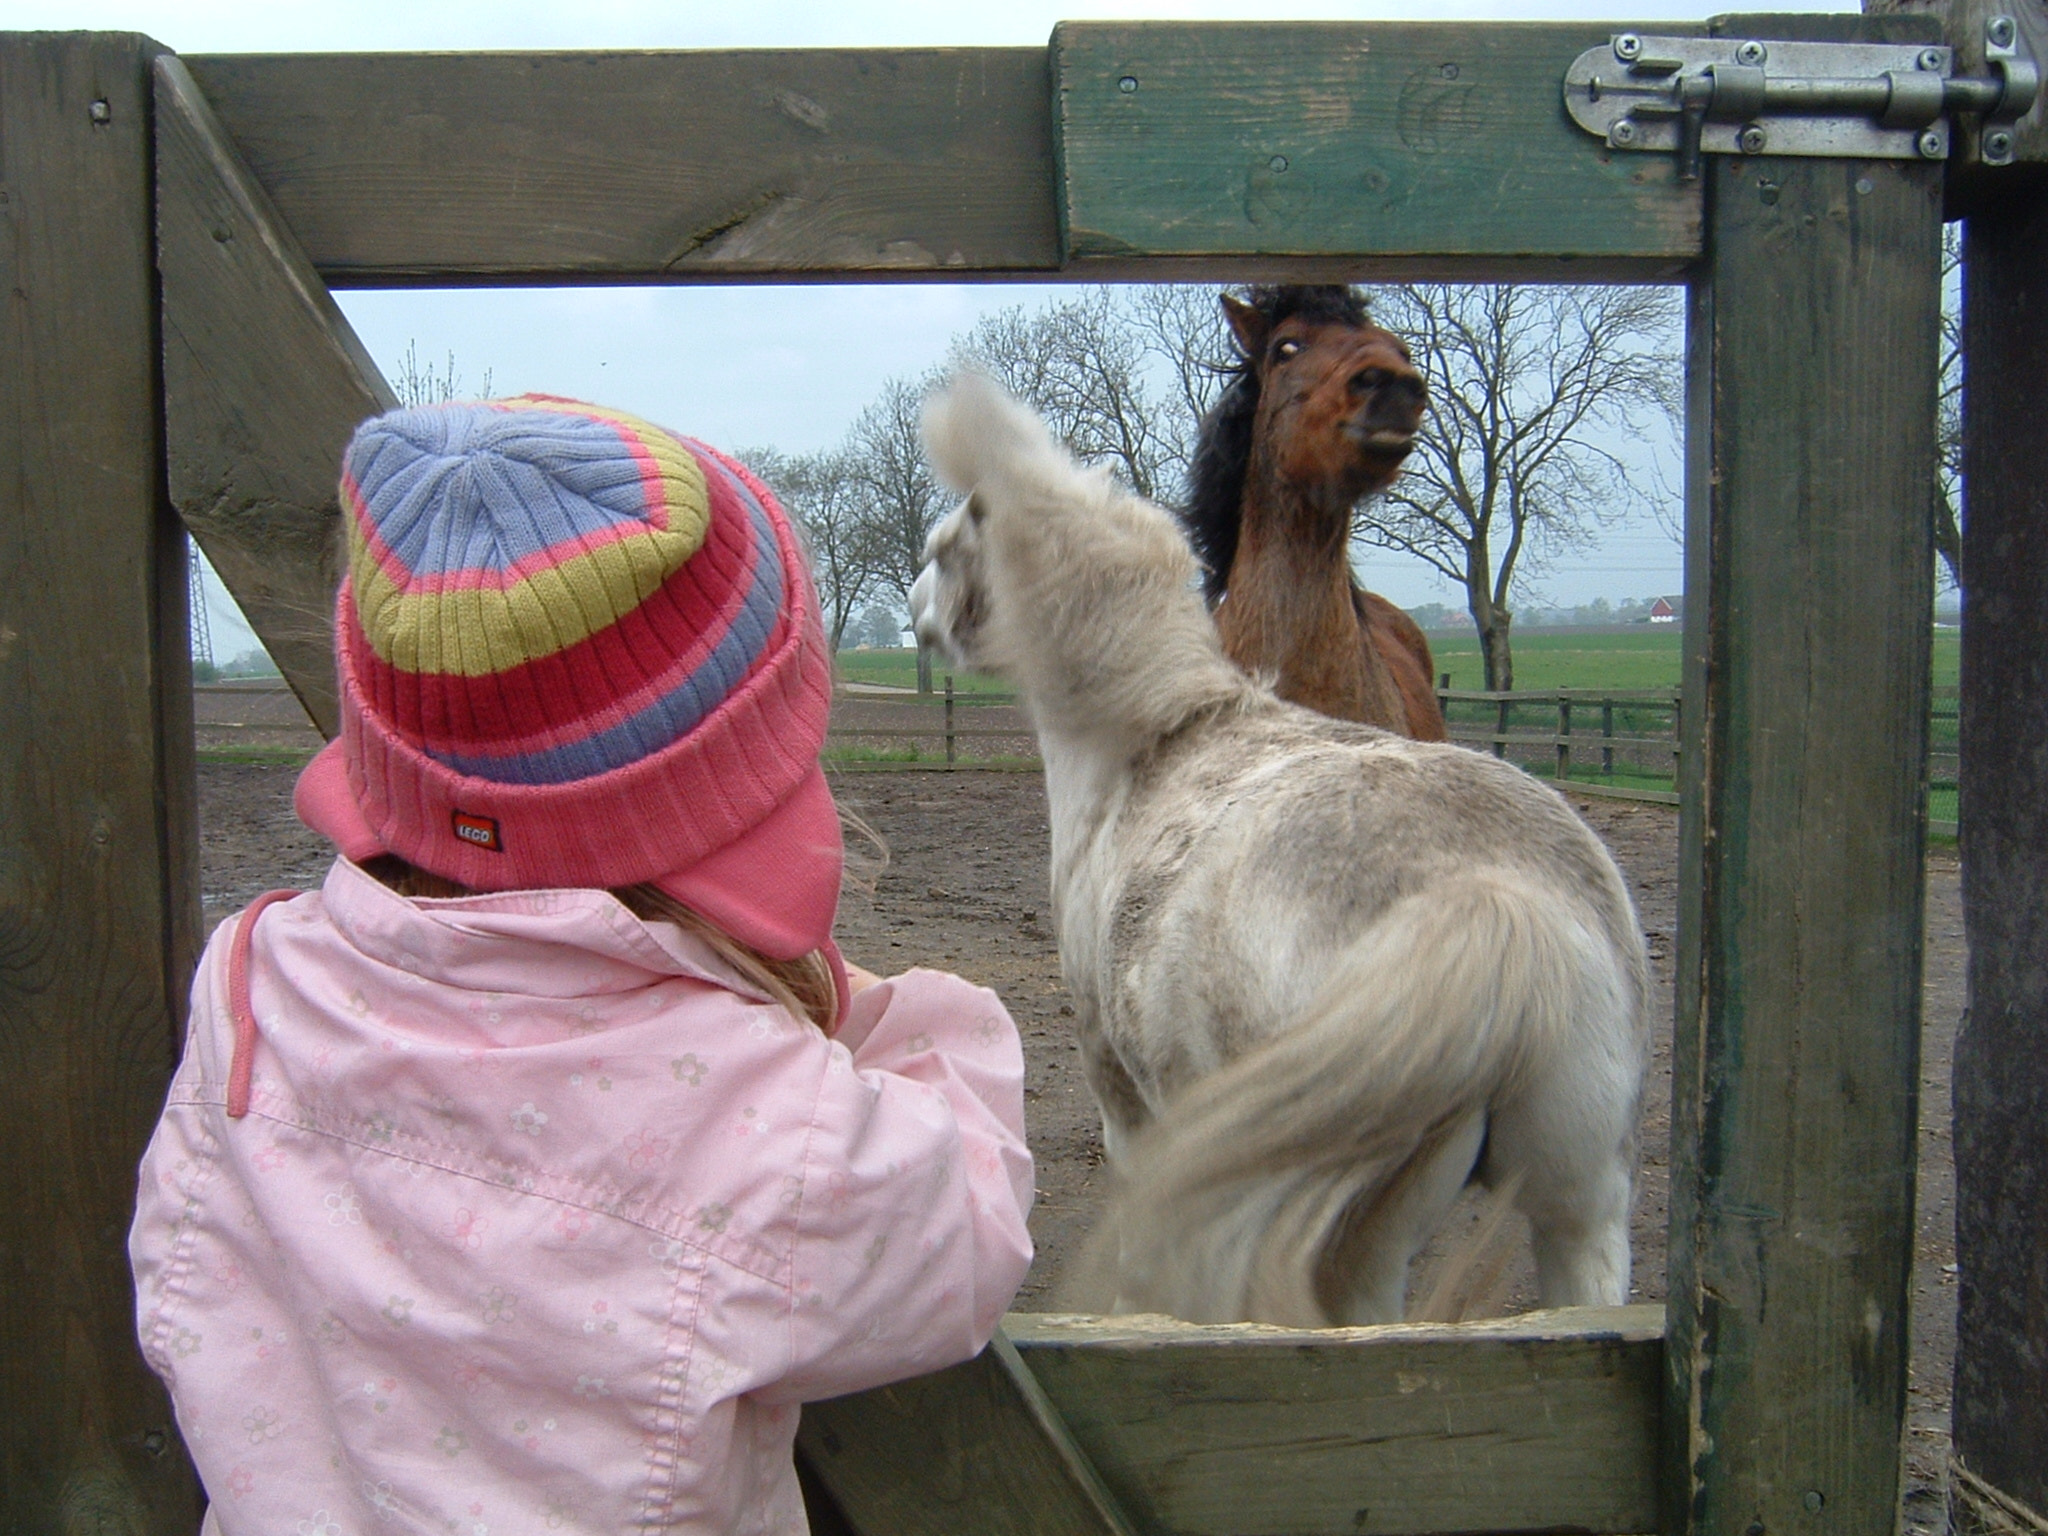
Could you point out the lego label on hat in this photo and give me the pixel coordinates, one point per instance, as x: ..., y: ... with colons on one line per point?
x: 481, y: 830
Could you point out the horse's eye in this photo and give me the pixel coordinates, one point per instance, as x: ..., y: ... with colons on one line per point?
x: 1285, y: 350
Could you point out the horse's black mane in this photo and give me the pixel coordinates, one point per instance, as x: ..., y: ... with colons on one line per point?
x: 1222, y: 449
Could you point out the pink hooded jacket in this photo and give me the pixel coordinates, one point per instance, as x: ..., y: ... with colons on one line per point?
x: 539, y: 1221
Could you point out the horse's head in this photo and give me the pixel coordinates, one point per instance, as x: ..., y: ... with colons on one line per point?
x: 1339, y: 399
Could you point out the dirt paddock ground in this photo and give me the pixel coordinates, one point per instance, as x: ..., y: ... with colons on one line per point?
x: 965, y: 889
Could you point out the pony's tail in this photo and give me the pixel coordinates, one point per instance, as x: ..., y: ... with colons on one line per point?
x: 1234, y: 1205
x: 975, y: 431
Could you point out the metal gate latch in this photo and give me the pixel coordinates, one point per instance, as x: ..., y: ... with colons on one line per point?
x: 1690, y: 96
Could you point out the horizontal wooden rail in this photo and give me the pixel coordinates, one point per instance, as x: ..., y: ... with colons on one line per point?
x: 934, y: 733
x: 1634, y: 697
x: 1603, y: 791
x: 1548, y: 1421
x: 1221, y: 158
x: 268, y: 689
x: 1391, y: 148
x: 922, y: 765
x: 649, y: 167
x: 1535, y: 737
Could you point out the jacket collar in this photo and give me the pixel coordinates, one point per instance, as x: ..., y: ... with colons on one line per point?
x: 544, y: 943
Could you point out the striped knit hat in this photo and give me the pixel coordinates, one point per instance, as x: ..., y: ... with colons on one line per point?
x: 577, y: 649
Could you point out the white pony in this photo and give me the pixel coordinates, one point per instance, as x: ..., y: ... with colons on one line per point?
x: 1323, y: 976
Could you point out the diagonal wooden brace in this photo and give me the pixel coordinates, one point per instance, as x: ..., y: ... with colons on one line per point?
x: 263, y: 383
x: 990, y: 1452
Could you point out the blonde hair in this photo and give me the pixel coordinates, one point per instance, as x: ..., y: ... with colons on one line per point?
x: 804, y: 986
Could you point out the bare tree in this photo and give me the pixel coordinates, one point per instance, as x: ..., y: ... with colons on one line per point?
x: 1122, y: 376
x: 1082, y: 367
x: 901, y: 499
x: 423, y: 384
x: 1948, y: 473
x: 1535, y: 395
x: 1182, y: 326
x: 827, y: 501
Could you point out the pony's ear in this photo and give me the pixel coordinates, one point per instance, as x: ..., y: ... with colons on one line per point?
x: 1247, y: 323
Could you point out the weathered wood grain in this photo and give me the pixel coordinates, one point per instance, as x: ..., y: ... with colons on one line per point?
x: 1541, y: 1422
x: 2001, y: 1060
x: 580, y: 167
x: 98, y: 883
x: 978, y: 1447
x: 264, y: 381
x: 1382, y: 147
x: 1814, y: 327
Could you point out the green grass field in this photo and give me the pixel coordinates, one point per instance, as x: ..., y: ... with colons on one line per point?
x: 1641, y: 656
x: 898, y: 669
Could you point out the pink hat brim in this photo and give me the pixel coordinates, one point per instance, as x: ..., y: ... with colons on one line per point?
x: 775, y: 887
x: 323, y: 800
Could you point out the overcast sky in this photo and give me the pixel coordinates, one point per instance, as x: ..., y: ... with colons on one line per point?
x: 745, y: 366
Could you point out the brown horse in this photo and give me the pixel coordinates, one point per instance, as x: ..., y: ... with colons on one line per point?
x: 1321, y: 409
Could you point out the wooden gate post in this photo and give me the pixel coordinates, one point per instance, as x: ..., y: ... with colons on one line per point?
x: 99, y: 888
x: 2001, y: 1064
x: 1810, y: 443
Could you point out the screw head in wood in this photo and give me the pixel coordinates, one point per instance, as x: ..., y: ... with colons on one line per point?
x: 1628, y: 47
x: 1932, y: 145
x: 1751, y: 53
x: 1812, y: 1501
x: 1932, y: 58
x: 2000, y: 30
x: 1752, y: 140
x: 100, y: 112
x: 1623, y: 132
x: 1127, y: 84
x: 1997, y: 147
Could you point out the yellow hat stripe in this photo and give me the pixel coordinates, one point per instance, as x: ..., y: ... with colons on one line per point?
x: 473, y: 631
x: 480, y: 623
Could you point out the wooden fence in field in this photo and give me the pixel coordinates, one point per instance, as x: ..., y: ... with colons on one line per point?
x: 1616, y: 742
x: 1621, y: 743
x: 1634, y: 733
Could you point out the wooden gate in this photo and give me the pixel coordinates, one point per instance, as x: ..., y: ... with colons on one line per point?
x: 169, y: 229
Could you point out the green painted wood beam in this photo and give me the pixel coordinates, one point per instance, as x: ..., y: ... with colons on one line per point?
x: 1367, y: 148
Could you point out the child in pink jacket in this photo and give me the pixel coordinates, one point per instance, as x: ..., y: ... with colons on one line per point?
x: 527, y: 1175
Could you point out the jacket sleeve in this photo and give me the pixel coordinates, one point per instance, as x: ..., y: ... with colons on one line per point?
x: 911, y: 1236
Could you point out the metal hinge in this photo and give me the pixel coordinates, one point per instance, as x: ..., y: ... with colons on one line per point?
x: 1690, y: 96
